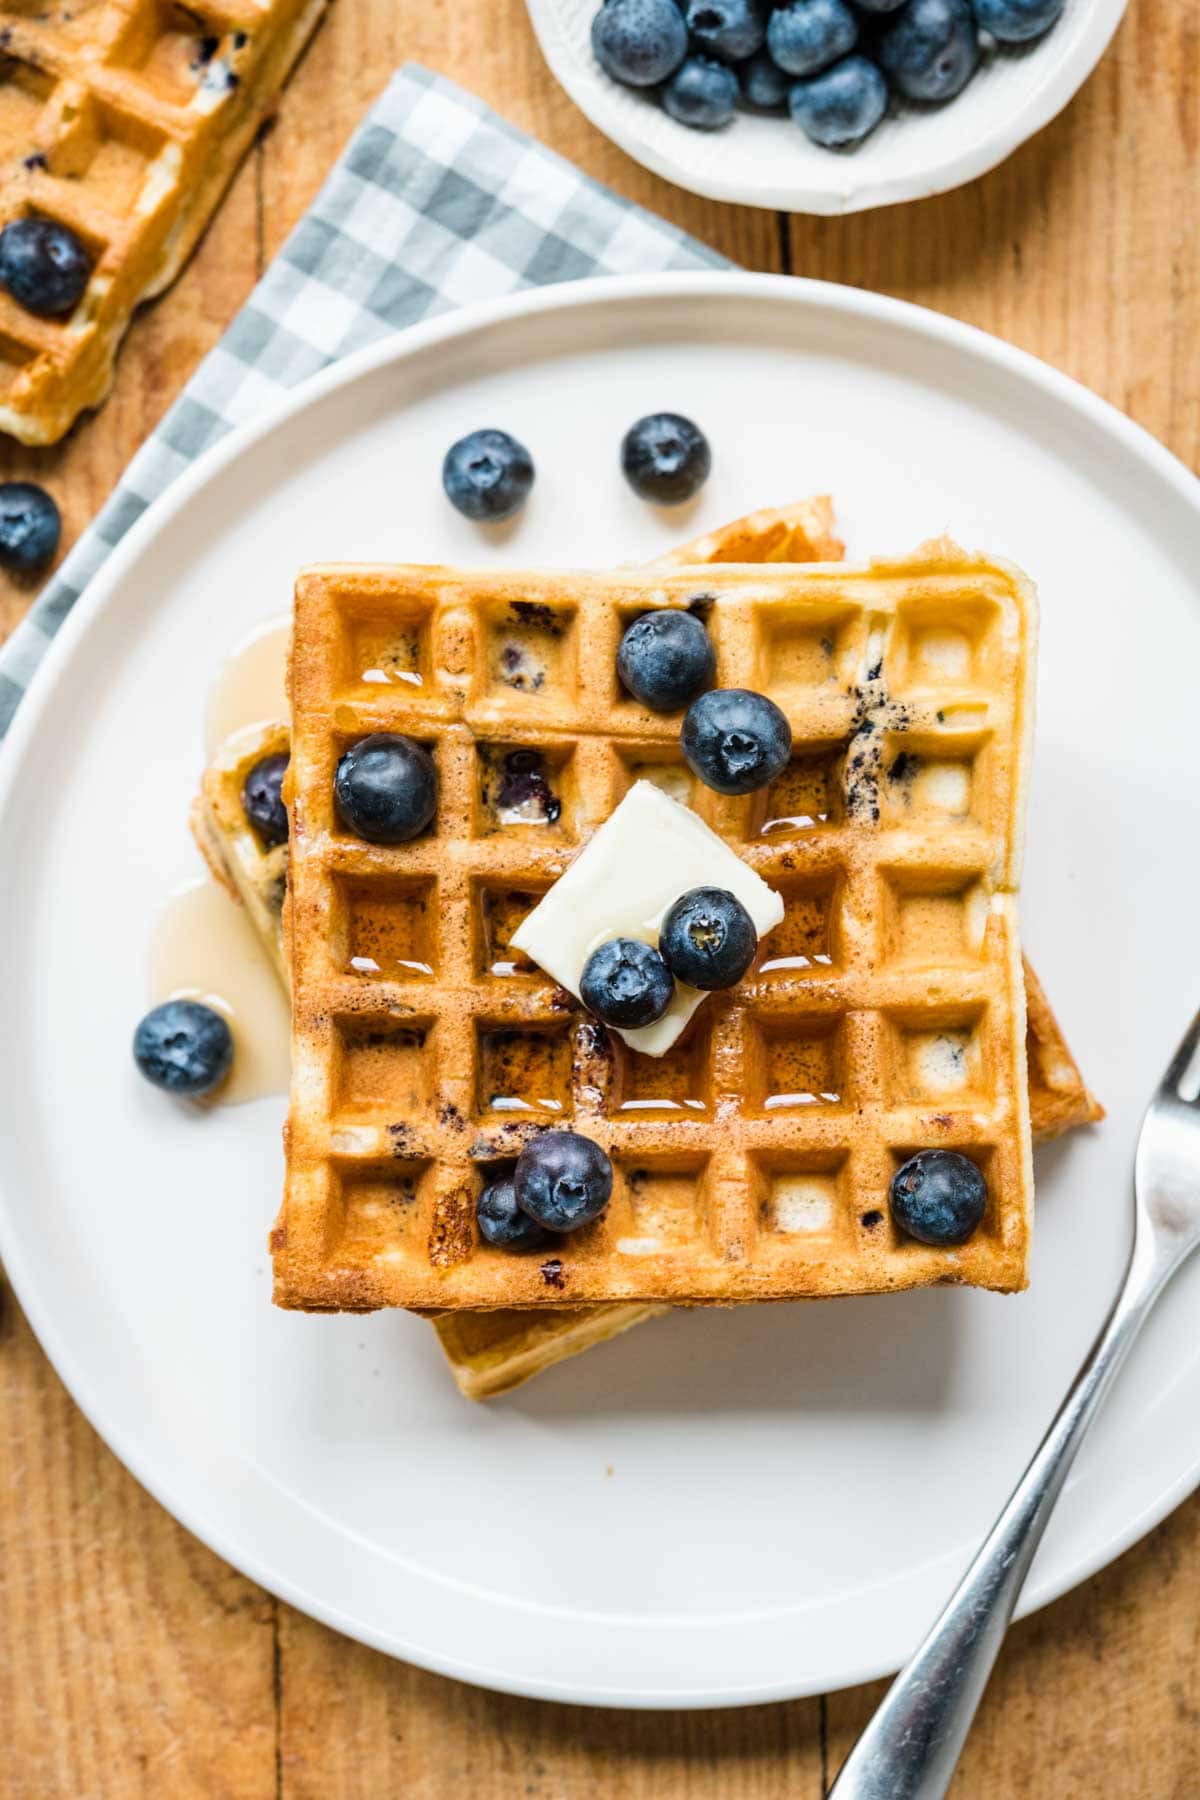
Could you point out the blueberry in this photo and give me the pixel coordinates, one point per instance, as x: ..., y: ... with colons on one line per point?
x: 938, y: 1197
x: 487, y: 475
x: 1016, y: 21
x: 501, y: 1221
x: 183, y: 1047
x: 563, y: 1180
x: 43, y: 265
x: 639, y: 42
x: 262, y: 799
x: 30, y: 526
x: 386, y: 788
x: 729, y: 29
x: 879, y: 6
x: 735, y: 740
x: 840, y: 106
x: 708, y: 939
x: 763, y: 82
x: 702, y: 94
x: 810, y: 34
x: 626, y: 983
x: 665, y: 659
x: 931, y: 51
x: 665, y: 458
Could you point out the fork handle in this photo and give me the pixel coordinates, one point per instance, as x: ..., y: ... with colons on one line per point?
x: 911, y: 1747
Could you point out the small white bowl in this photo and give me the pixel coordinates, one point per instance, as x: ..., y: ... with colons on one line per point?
x: 767, y: 161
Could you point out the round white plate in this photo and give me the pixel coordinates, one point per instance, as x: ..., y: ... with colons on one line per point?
x: 767, y: 161
x: 726, y: 1507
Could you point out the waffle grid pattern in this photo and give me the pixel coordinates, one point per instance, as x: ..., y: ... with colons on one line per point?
x: 753, y: 1161
x: 122, y: 119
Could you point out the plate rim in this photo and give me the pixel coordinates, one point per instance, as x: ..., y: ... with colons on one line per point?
x: 398, y: 347
x: 953, y: 169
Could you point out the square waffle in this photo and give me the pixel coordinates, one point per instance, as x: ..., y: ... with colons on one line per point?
x: 886, y: 1013
x: 123, y: 119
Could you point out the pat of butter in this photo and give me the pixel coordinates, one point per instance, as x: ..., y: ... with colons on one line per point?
x: 644, y: 856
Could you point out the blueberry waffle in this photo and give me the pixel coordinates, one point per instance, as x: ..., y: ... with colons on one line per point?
x: 885, y: 1015
x: 493, y: 1352
x: 122, y: 121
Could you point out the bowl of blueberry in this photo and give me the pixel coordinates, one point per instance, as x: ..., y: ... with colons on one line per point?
x: 822, y: 106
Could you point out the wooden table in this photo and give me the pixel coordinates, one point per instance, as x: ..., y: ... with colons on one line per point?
x: 134, y: 1662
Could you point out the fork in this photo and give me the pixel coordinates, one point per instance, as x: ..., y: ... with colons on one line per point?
x: 911, y: 1747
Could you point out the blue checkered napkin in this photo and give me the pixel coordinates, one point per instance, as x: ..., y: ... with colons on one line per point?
x: 435, y: 202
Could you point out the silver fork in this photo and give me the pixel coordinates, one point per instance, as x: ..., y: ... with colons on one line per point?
x: 911, y: 1747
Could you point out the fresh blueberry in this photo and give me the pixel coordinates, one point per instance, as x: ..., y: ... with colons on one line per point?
x: 43, y: 265
x: 810, y: 34
x: 879, y: 6
x: 938, y: 1197
x: 729, y: 29
x: 931, y: 51
x: 840, y: 106
x: 764, y: 84
x: 702, y: 94
x: 626, y: 983
x: 183, y: 1047
x: 30, y: 526
x: 665, y: 659
x: 1016, y: 21
x: 386, y: 788
x: 262, y: 799
x: 665, y: 458
x: 735, y: 740
x: 487, y: 475
x: 501, y: 1221
x: 639, y: 42
x: 563, y: 1180
x: 708, y: 939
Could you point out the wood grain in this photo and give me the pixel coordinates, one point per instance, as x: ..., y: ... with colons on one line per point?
x: 132, y: 1661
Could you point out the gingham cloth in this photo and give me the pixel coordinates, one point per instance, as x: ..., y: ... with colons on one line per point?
x: 435, y: 202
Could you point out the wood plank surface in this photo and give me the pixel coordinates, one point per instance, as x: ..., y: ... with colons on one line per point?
x: 133, y: 1662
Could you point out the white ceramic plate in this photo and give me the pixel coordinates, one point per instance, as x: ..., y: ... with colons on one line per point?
x: 767, y: 161
x: 730, y: 1507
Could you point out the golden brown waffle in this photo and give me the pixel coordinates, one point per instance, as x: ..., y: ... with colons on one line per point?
x: 123, y: 119
x: 887, y: 1011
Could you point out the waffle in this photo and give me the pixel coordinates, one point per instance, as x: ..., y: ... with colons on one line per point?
x: 887, y: 1012
x: 123, y: 119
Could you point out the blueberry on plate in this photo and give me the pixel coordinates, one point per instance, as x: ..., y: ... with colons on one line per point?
x: 184, y: 1047
x: 626, y: 983
x: 810, y: 34
x: 665, y: 659
x: 386, y: 788
x: 262, y: 799
x: 763, y: 83
x: 665, y: 458
x: 43, y: 265
x: 501, y: 1221
x: 938, y: 1197
x: 840, y: 106
x: 931, y: 50
x: 487, y: 475
x: 701, y: 94
x: 30, y: 526
x: 1016, y: 21
x: 729, y: 29
x: 708, y: 939
x: 563, y: 1180
x: 639, y: 42
x: 735, y: 740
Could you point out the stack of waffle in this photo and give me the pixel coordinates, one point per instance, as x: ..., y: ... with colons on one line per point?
x: 886, y: 1013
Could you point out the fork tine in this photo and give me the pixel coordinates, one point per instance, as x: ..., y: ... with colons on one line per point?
x: 1182, y: 1077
